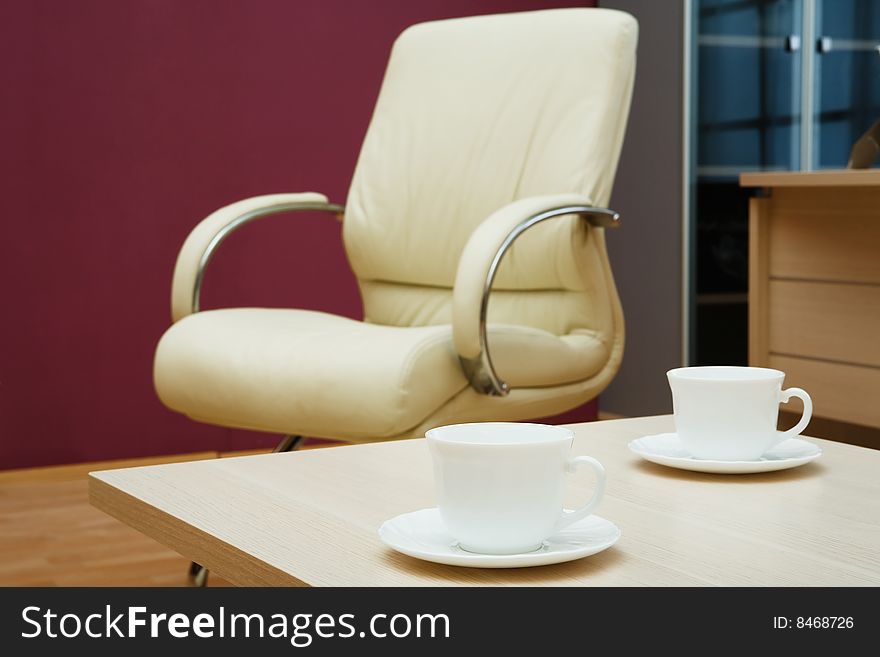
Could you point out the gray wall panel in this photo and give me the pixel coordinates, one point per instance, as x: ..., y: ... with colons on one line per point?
x: 646, y: 252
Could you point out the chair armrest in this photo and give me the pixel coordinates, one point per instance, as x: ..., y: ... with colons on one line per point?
x: 477, y: 268
x: 199, y: 247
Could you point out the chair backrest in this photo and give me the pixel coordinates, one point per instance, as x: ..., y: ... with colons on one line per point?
x: 475, y: 113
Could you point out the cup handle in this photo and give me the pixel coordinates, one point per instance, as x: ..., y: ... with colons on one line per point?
x: 785, y: 395
x: 571, y: 466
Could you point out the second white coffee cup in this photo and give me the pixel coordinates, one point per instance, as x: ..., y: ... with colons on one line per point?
x: 730, y: 413
x: 500, y: 485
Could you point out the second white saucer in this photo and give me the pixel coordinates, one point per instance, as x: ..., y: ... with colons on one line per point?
x: 666, y: 449
x: 421, y: 534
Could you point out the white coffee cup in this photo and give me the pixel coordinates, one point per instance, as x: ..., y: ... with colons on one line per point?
x: 500, y: 485
x: 730, y: 413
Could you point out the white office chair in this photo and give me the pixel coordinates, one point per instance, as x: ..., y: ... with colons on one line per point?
x: 486, y: 166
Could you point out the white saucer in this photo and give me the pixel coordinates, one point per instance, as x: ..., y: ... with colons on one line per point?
x: 666, y: 449
x: 421, y: 534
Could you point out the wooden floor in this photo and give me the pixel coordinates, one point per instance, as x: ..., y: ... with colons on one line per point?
x: 51, y: 536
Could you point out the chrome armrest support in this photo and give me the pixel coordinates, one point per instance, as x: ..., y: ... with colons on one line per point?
x: 479, y: 370
x: 241, y: 220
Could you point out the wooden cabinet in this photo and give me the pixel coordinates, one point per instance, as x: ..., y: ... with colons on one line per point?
x: 814, y: 286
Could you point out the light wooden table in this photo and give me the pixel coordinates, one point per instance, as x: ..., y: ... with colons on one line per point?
x: 311, y: 517
x: 814, y: 286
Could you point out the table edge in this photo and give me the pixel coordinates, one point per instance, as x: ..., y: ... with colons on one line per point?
x: 229, y: 562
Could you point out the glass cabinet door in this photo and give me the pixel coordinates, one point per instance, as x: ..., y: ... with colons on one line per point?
x: 749, y: 73
x: 847, y: 80
x: 748, y: 118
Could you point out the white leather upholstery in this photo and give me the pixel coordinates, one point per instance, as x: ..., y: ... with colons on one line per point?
x: 480, y: 123
x: 476, y: 113
x: 273, y: 369
x: 479, y: 251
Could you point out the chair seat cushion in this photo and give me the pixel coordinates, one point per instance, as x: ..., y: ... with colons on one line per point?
x: 311, y: 373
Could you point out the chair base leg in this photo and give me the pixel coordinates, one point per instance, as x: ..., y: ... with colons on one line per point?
x: 198, y: 574
x: 288, y: 444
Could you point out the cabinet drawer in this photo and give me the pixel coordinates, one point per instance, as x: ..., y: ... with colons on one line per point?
x: 846, y: 393
x: 830, y: 321
x: 825, y: 234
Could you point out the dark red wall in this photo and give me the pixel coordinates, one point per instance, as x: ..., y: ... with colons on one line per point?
x: 125, y: 122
